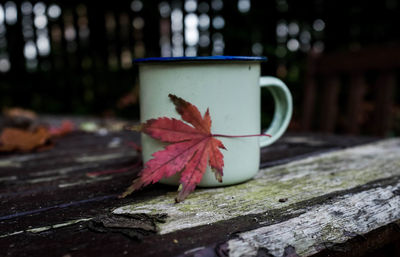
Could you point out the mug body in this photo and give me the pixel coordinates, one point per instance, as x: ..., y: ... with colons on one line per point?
x: 229, y: 88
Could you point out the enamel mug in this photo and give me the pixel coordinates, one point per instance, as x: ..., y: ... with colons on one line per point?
x: 230, y: 87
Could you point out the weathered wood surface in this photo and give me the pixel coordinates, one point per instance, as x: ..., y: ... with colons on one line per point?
x: 52, y: 205
x: 295, y: 182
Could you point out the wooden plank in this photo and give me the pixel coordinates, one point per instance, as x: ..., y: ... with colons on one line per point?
x: 309, y: 92
x: 43, y: 213
x: 380, y: 57
x: 355, y: 100
x: 39, y: 193
x: 297, y: 182
x: 329, y: 104
x: 327, y: 224
x: 384, y: 102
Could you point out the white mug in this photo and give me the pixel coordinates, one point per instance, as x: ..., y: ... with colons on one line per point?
x: 230, y: 87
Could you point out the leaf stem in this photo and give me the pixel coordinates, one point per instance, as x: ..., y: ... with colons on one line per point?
x: 235, y: 136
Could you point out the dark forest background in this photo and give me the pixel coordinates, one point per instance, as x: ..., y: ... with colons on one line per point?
x: 75, y: 57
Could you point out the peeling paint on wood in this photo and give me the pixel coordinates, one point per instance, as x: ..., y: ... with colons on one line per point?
x: 105, y: 157
x: 298, y: 181
x: 63, y: 171
x: 324, y: 224
x: 68, y: 223
x: 19, y: 159
x: 45, y: 228
x: 46, y: 179
x: 304, y: 140
x: 8, y: 178
x: 83, y: 182
x: 9, y: 164
x: 12, y: 234
x: 133, y: 226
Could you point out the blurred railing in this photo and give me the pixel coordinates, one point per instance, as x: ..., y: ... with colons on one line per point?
x: 353, y: 92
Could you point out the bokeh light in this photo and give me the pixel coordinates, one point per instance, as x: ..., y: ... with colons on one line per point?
x: 30, y: 51
x: 11, y: 14
x: 54, y: 11
x: 319, y: 25
x: 244, y: 6
x: 293, y: 45
x: 136, y: 5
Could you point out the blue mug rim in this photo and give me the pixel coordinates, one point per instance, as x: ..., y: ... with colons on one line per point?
x: 201, y: 59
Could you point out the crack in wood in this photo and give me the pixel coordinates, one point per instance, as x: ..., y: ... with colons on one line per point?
x: 64, y: 205
x: 133, y: 226
x: 46, y: 228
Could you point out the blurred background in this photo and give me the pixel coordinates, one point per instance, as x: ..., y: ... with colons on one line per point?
x: 339, y: 58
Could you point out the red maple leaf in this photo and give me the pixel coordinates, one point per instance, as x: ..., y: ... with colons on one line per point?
x: 189, y: 151
x: 191, y: 148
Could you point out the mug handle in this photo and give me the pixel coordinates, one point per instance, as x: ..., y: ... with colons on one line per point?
x: 283, y: 109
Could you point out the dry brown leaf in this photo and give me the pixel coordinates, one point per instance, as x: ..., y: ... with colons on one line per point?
x: 13, y: 139
x: 18, y: 117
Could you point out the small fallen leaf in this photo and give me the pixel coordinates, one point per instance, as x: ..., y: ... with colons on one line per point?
x: 66, y: 127
x: 26, y: 140
x: 19, y: 113
x: 13, y: 139
x: 19, y: 118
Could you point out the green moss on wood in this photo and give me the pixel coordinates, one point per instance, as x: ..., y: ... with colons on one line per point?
x: 298, y: 181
